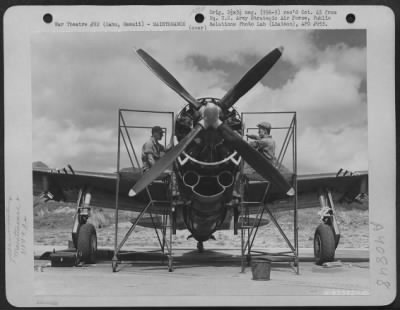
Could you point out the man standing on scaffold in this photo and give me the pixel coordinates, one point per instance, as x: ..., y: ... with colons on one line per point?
x: 264, y: 142
x: 152, y: 150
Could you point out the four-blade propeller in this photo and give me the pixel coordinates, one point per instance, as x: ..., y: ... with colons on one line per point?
x: 210, y: 117
x: 250, y: 79
x: 167, y: 78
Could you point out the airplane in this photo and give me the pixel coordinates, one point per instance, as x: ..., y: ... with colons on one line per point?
x: 210, y: 161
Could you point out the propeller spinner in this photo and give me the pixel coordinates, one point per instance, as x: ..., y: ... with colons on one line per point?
x: 210, y: 118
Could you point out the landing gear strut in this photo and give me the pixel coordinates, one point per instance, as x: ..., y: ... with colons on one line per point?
x: 200, y: 246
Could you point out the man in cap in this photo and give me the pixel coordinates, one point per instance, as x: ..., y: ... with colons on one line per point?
x: 152, y: 150
x: 264, y: 142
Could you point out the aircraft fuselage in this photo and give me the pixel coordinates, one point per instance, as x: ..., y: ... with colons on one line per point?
x: 206, y: 175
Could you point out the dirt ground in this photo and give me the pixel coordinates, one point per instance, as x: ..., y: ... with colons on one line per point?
x: 53, y: 224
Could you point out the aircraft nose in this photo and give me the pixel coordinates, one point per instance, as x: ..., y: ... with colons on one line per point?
x: 211, y: 115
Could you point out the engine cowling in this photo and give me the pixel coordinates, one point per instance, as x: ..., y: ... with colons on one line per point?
x: 206, y: 171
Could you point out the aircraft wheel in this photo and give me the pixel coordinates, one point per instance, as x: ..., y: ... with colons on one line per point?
x: 87, y: 243
x: 324, y: 244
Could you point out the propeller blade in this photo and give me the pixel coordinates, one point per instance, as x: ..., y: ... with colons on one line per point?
x: 164, y: 162
x: 167, y: 78
x: 250, y: 79
x: 256, y: 160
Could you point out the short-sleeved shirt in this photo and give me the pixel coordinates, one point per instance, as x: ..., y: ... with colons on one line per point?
x: 266, y: 146
x: 151, y: 147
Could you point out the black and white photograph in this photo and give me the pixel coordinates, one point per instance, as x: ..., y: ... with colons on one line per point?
x: 193, y: 164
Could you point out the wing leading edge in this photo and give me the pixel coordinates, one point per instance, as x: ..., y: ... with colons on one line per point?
x: 63, y: 186
x: 343, y: 187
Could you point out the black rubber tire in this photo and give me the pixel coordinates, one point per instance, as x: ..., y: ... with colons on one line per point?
x: 87, y: 243
x: 324, y: 244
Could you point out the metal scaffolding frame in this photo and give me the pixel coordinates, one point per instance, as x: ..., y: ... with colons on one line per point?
x: 165, y: 205
x: 249, y: 229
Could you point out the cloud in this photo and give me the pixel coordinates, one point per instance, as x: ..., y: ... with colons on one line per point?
x: 324, y: 151
x: 331, y: 110
x: 347, y: 60
x: 58, y: 146
x: 87, y: 88
x: 232, y: 46
x: 321, y: 96
x: 79, y: 81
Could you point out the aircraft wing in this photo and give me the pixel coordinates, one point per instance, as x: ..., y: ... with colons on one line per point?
x: 64, y: 185
x: 343, y: 187
x: 333, y: 181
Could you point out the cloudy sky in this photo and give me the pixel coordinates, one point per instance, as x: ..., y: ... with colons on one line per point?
x: 80, y: 80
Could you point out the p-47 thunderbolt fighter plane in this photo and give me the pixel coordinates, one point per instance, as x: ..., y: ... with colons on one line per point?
x: 210, y: 175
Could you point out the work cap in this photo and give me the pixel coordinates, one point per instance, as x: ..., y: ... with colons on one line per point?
x: 265, y: 125
x: 156, y: 129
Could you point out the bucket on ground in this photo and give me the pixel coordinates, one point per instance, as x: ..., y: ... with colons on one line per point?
x: 261, y: 269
